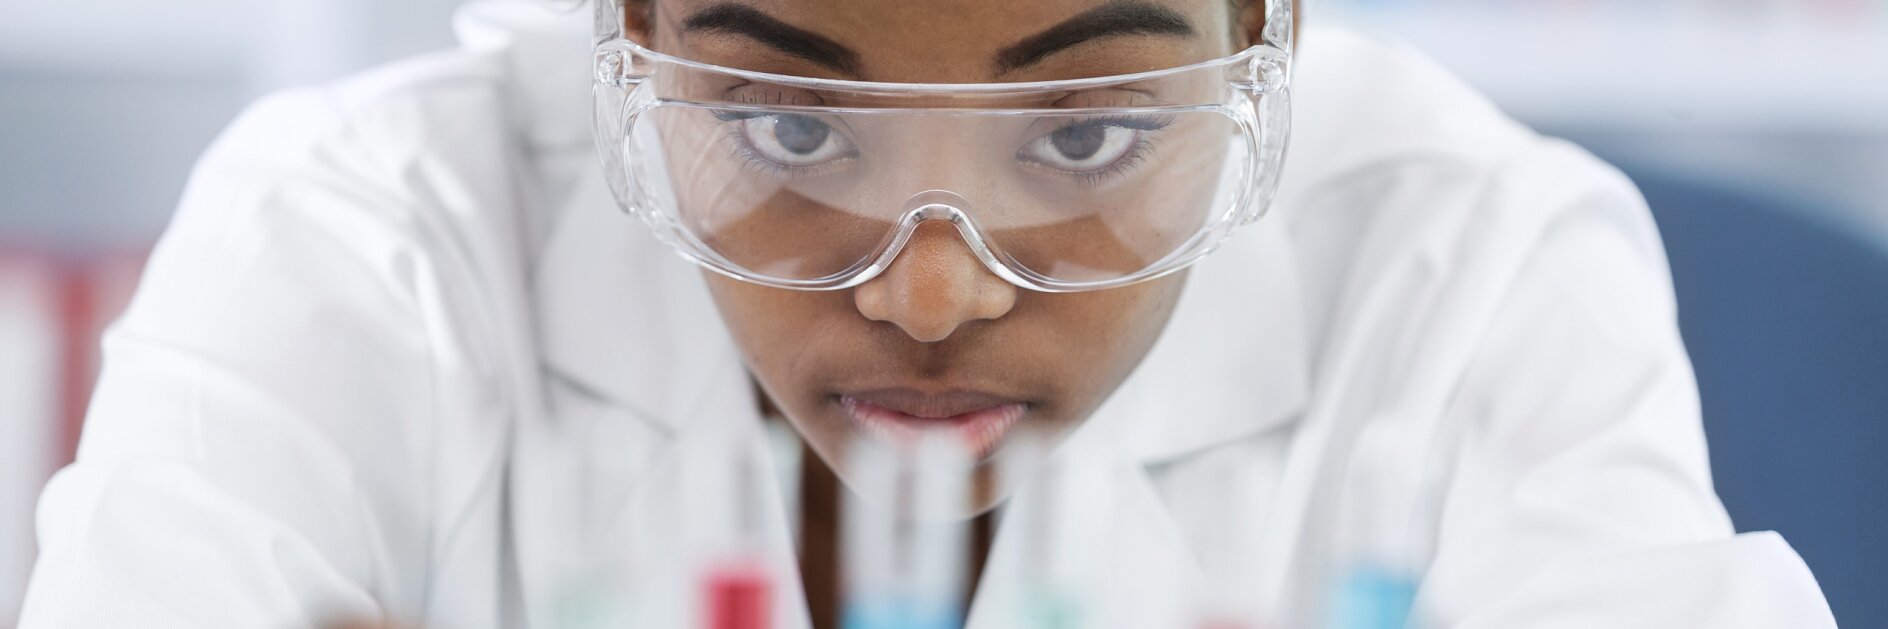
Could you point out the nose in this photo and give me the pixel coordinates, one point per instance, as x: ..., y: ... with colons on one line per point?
x: 934, y: 287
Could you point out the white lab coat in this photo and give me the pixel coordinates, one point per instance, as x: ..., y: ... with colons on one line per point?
x: 399, y: 355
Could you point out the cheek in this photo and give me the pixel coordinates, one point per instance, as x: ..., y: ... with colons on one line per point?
x: 773, y: 327
x: 1106, y: 334
x: 796, y: 344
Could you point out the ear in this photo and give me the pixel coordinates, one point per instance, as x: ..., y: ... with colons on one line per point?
x: 639, y: 20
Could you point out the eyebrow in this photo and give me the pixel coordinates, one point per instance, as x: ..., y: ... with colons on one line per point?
x: 1121, y: 17
x: 738, y: 19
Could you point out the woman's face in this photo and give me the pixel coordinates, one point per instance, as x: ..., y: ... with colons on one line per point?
x: 936, y: 344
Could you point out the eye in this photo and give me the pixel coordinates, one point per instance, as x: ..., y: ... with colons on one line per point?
x: 793, y: 140
x: 1084, y: 146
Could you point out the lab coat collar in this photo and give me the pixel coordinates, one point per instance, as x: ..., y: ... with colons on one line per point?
x: 619, y: 316
x: 1341, y: 80
x: 624, y: 318
x: 547, y: 51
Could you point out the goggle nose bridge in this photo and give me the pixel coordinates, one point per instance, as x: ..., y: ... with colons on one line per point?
x: 937, y: 212
x: 949, y: 207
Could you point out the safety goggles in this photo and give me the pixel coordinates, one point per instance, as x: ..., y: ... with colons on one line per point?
x: 1055, y: 186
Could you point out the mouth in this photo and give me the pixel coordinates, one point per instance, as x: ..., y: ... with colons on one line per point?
x: 979, y: 420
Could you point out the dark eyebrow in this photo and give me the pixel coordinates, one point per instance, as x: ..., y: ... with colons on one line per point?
x: 1121, y: 17
x: 739, y: 19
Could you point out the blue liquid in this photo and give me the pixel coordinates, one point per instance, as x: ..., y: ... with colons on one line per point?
x: 902, y: 613
x: 1373, y: 599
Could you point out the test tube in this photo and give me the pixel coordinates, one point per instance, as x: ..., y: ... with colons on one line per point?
x: 1220, y: 507
x: 1049, y: 578
x: 1378, y: 588
x: 905, y: 536
x: 735, y: 581
x: 738, y: 596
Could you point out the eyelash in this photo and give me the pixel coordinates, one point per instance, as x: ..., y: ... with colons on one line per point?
x: 742, y: 149
x: 1148, y: 125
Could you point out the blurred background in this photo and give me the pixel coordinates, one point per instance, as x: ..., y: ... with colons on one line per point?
x: 1757, y: 128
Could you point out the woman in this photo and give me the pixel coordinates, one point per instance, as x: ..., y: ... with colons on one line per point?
x: 399, y: 358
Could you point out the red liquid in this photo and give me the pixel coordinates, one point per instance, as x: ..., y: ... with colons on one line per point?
x: 739, y: 598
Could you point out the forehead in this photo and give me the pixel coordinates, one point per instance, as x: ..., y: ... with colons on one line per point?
x: 951, y: 40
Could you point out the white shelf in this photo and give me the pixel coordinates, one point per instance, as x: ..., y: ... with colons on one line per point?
x: 1713, y: 70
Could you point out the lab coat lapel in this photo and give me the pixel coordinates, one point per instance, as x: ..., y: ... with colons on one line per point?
x: 634, y: 354
x: 620, y: 316
x: 625, y: 318
x: 629, y: 332
x: 1233, y: 361
x: 546, y: 51
x: 631, y: 338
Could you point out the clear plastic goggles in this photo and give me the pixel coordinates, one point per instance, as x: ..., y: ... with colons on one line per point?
x: 1058, y: 186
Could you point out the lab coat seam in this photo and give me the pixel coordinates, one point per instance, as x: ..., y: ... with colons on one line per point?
x: 1663, y: 320
x: 443, y: 237
x: 431, y: 236
x: 1365, y: 281
x: 77, y: 529
x: 346, y: 137
x: 367, y: 519
x: 1600, y: 436
x: 1367, y: 275
x: 1523, y: 268
x: 1596, y: 534
x: 232, y: 232
x: 1441, y: 259
x: 1445, y: 436
x: 450, y: 241
x: 642, y: 413
x: 198, y: 460
x: 432, y: 537
x: 276, y: 176
x: 1516, y: 500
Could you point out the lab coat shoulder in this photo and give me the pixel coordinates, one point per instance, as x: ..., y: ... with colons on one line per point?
x: 1498, y: 341
x: 1579, y: 462
x: 303, y: 398
x: 1408, y: 187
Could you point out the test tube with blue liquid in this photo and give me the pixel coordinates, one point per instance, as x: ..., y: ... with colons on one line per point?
x: 905, y: 537
x: 1038, y: 512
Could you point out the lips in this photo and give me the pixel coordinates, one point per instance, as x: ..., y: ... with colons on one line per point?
x: 980, y: 420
